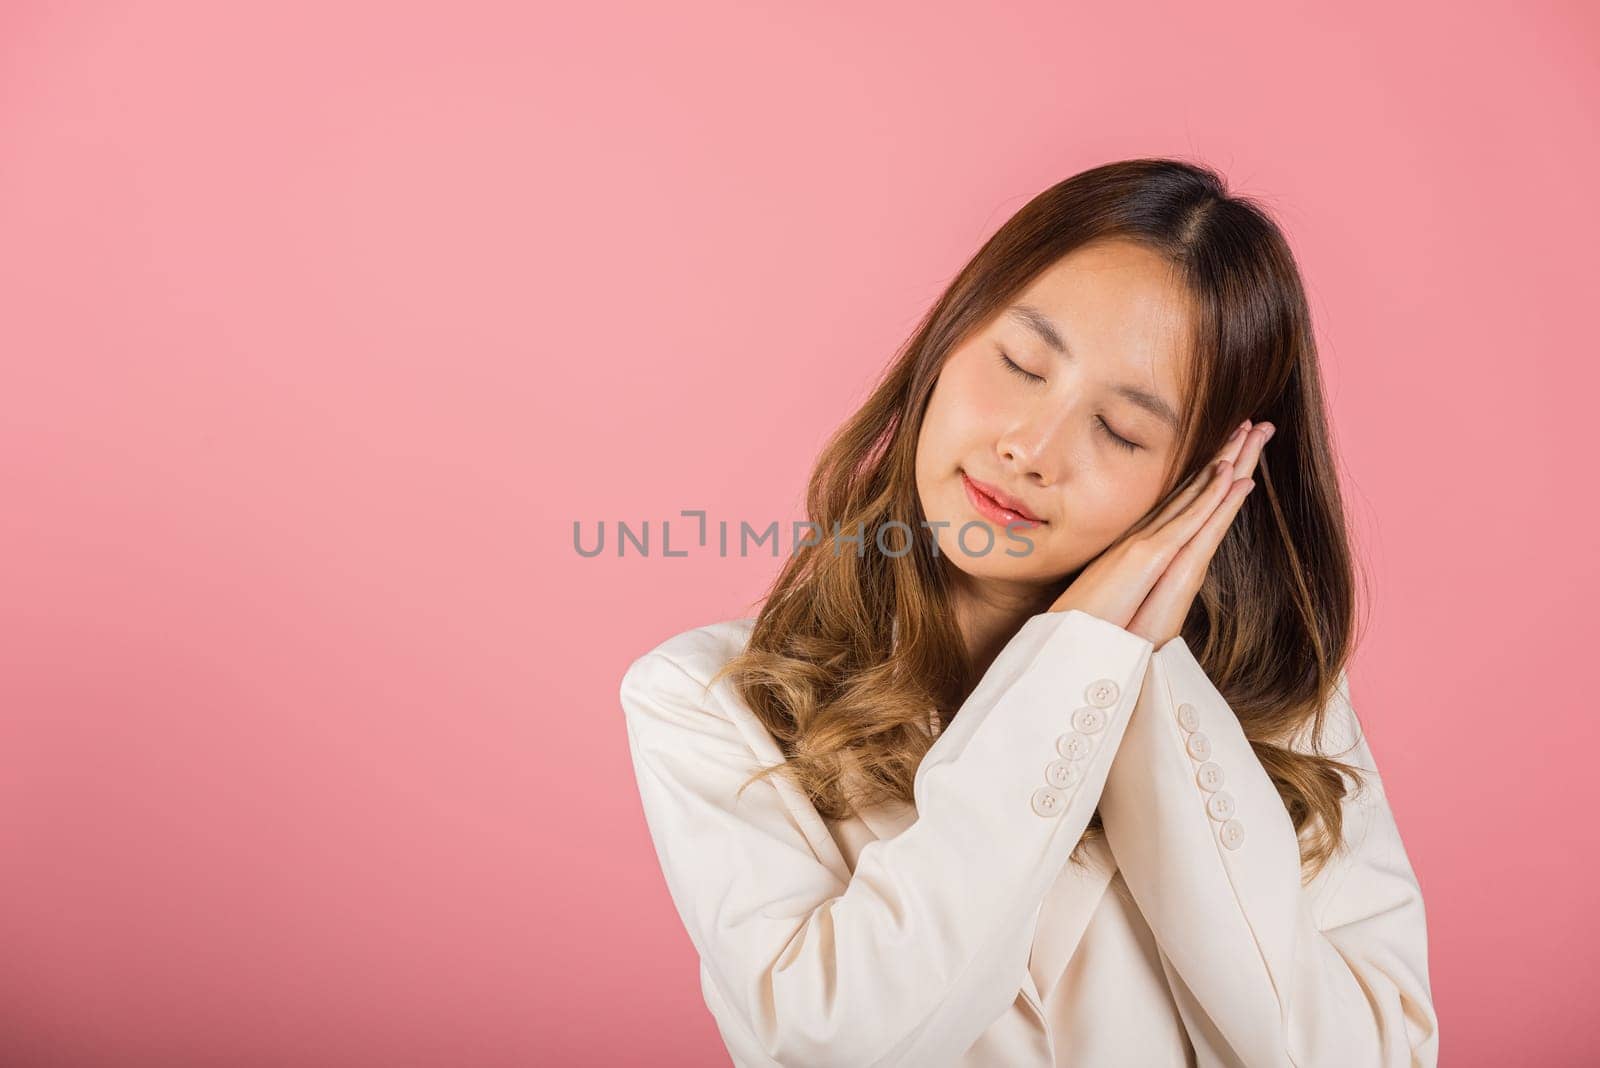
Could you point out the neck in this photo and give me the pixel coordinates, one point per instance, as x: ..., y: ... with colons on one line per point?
x: 990, y: 614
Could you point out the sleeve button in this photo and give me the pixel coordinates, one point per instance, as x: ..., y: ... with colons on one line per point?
x: 1199, y: 746
x: 1221, y: 806
x: 1210, y: 776
x: 1046, y: 802
x: 1088, y: 720
x: 1063, y: 773
x: 1073, y: 746
x: 1102, y: 693
x: 1187, y: 718
x: 1232, y: 834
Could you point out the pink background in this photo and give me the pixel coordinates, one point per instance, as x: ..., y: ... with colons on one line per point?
x: 322, y: 324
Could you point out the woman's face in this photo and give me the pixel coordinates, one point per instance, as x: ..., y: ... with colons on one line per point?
x: 1080, y: 436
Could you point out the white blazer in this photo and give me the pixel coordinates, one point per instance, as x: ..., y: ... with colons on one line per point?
x: 954, y: 932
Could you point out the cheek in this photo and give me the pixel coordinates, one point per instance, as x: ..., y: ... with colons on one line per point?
x: 943, y: 432
x: 980, y: 397
x: 965, y: 407
x: 1110, y: 507
x: 934, y: 451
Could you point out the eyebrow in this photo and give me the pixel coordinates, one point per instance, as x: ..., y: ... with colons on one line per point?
x: 1045, y: 327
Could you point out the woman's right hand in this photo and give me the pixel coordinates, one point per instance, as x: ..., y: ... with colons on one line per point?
x: 1114, y: 584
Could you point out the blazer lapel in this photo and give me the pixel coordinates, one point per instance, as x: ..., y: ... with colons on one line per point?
x: 1068, y: 906
x: 888, y: 819
x: 1063, y: 916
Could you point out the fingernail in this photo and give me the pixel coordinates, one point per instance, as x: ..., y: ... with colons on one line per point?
x: 1271, y: 430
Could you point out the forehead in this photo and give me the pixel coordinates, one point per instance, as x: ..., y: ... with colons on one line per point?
x: 1121, y: 310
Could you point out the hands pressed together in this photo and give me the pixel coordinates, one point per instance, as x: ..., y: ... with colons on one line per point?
x: 1147, y: 582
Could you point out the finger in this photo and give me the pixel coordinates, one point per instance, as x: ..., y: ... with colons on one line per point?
x: 1184, y: 497
x: 1244, y: 465
x: 1166, y: 539
x: 1242, y: 448
x: 1167, y: 604
x: 1195, y: 556
x: 1230, y: 448
x: 1187, y: 522
x: 1192, y: 488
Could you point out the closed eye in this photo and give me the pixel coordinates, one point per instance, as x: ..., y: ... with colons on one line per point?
x: 1117, y: 439
x: 1014, y: 369
x: 1105, y: 428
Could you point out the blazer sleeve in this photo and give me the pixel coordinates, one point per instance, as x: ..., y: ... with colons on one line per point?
x: 1266, y: 971
x: 912, y: 957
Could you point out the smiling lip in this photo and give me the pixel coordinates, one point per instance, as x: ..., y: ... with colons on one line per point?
x: 987, y: 500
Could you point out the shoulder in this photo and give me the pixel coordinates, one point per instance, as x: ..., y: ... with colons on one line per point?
x: 1342, y: 735
x: 673, y: 716
x: 682, y: 665
x: 697, y: 652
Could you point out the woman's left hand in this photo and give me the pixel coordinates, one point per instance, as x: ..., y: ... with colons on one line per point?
x: 1160, y: 618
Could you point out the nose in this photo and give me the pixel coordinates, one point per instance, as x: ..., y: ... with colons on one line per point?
x: 1035, y: 447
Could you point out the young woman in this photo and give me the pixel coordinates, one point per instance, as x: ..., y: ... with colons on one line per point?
x: 1054, y: 762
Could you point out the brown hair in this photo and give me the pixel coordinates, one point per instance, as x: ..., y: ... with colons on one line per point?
x: 851, y: 651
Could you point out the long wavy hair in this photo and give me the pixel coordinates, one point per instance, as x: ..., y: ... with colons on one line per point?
x: 852, y: 654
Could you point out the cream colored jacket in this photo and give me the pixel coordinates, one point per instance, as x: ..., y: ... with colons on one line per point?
x: 955, y: 932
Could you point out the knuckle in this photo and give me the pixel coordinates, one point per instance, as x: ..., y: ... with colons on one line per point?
x: 1148, y: 553
x: 1142, y: 548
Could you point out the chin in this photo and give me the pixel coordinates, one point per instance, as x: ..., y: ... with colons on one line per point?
x: 995, y: 564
